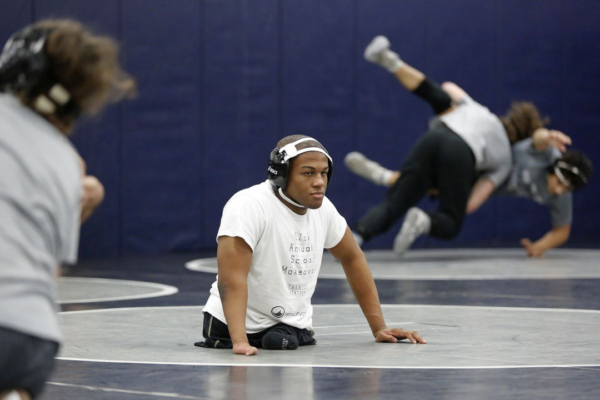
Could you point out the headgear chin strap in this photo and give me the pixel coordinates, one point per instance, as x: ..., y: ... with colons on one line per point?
x: 292, y: 202
x: 279, y: 164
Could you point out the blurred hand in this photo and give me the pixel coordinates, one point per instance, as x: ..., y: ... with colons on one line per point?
x: 393, y: 335
x: 559, y: 140
x: 532, y: 250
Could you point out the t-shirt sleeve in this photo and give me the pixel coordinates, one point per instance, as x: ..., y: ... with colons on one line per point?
x: 466, y: 99
x: 503, y: 164
x: 561, y: 210
x: 243, y: 217
x: 498, y: 175
x: 336, y: 226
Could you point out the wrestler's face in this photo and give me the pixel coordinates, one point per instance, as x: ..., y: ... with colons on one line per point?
x: 307, y: 180
x: 555, y: 186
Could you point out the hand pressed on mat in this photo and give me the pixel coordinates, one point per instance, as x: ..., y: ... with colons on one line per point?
x: 393, y: 335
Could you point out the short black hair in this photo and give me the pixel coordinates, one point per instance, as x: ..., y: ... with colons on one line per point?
x: 300, y: 146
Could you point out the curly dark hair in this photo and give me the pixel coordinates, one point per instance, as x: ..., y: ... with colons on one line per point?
x: 87, y: 65
x: 521, y: 120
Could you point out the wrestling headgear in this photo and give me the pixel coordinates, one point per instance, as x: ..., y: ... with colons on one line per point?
x: 24, y: 68
x: 573, y: 170
x: 279, y: 162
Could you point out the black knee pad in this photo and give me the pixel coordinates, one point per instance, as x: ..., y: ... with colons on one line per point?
x: 430, y: 91
x: 279, y: 341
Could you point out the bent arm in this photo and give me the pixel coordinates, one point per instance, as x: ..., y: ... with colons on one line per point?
x: 455, y: 92
x: 234, y: 257
x: 363, y: 286
x: 93, y: 195
x: 92, y: 191
x: 360, y: 279
x: 481, y: 191
x: 555, y: 237
x: 543, y: 138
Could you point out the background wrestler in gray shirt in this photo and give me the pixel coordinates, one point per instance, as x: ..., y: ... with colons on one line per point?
x: 540, y: 171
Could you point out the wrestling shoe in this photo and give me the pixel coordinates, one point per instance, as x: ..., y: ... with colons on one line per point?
x: 368, y: 169
x: 416, y: 223
x: 378, y: 52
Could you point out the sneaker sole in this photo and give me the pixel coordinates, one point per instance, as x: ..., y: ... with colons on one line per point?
x: 411, y: 220
x: 377, y: 45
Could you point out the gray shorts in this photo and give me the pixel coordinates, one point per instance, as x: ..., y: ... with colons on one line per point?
x: 26, y: 361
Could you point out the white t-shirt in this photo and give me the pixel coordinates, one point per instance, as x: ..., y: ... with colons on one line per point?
x: 40, y: 199
x: 485, y: 135
x: 287, y: 253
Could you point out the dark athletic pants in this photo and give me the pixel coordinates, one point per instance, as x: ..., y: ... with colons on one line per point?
x: 216, y: 334
x: 25, y: 361
x: 440, y: 159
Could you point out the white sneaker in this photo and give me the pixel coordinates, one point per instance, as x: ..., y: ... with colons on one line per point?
x: 378, y: 52
x: 416, y: 223
x: 374, y: 49
x: 368, y: 169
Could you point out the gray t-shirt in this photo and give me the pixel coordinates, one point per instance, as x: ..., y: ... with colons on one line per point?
x: 40, y: 196
x: 485, y: 135
x: 529, y: 179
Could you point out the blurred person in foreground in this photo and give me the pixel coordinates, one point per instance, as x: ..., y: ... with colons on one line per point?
x: 51, y: 73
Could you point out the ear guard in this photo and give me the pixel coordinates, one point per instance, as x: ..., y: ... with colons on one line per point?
x: 23, y: 63
x: 24, y: 68
x: 569, y: 175
x: 278, y: 168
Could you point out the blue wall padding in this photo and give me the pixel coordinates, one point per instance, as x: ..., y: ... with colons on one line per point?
x: 241, y: 101
x: 13, y: 16
x: 578, y: 98
x: 220, y: 82
x: 161, y: 166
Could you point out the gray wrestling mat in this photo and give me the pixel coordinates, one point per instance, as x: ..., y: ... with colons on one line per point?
x: 93, y: 290
x: 460, y: 264
x: 458, y: 337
